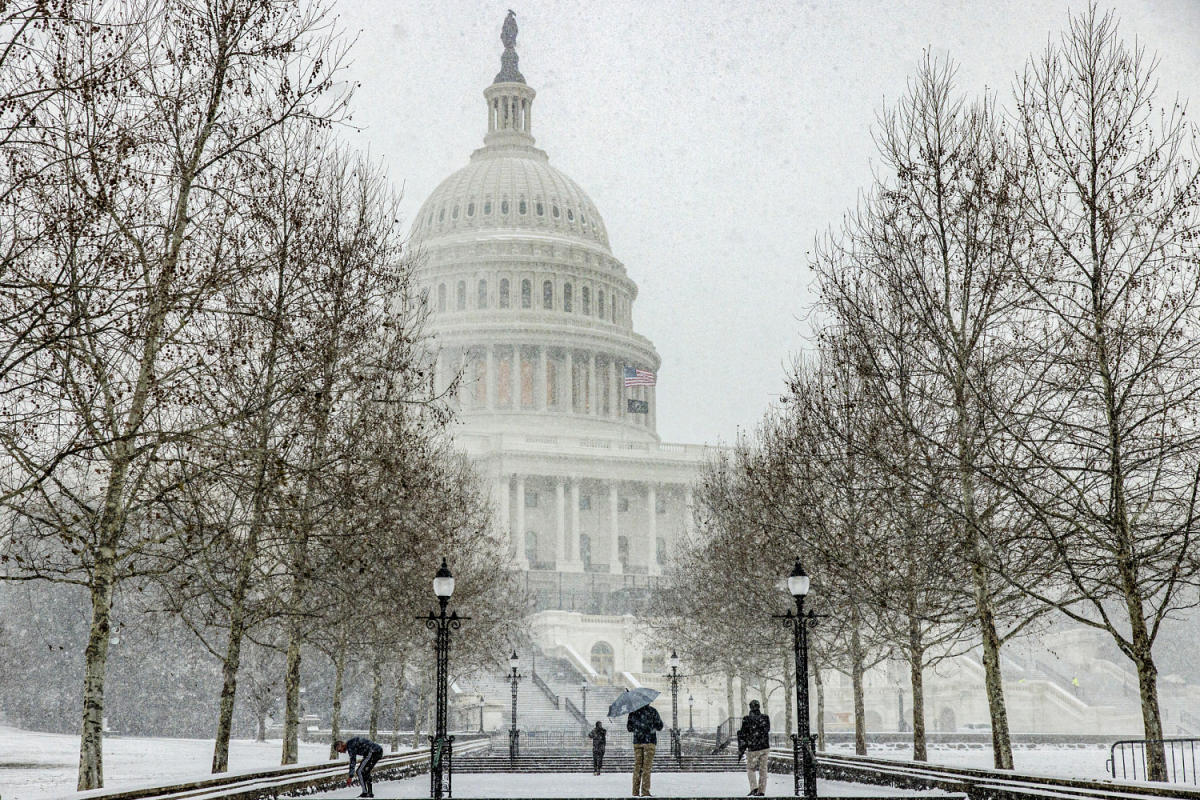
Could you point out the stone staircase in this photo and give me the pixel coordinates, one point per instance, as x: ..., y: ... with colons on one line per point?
x: 620, y: 761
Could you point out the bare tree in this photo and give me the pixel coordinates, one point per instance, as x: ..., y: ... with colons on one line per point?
x: 1104, y: 454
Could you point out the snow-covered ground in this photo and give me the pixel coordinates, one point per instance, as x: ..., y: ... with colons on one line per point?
x: 616, y: 784
x: 38, y: 766
x: 1063, y: 761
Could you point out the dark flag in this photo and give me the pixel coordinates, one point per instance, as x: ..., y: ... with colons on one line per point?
x: 637, y: 406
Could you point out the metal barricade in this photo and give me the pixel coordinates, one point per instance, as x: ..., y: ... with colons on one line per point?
x: 1127, y: 759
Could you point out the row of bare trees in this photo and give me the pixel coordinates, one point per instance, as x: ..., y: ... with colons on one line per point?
x: 1000, y: 418
x: 216, y: 384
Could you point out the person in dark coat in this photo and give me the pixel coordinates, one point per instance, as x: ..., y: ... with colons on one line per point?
x: 369, y: 752
x: 754, y: 739
x: 642, y: 724
x: 598, y: 735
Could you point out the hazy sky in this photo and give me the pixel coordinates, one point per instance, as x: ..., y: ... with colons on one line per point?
x: 716, y: 139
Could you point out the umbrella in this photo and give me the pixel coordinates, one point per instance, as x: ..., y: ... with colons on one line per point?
x: 632, y: 700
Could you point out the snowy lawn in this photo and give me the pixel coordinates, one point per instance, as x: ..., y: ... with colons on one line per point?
x: 34, y: 766
x: 616, y: 784
x: 1058, y: 761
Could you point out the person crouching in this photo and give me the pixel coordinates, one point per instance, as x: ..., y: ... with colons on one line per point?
x: 369, y: 752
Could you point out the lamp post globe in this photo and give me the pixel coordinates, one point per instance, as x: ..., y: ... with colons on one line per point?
x: 798, y: 581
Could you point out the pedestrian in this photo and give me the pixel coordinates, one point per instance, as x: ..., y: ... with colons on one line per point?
x: 598, y: 735
x: 754, y: 739
x: 369, y: 752
x: 643, y: 723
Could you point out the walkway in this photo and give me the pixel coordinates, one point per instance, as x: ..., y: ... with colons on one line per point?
x: 616, y: 784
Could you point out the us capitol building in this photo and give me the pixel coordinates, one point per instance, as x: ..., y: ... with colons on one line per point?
x: 533, y: 309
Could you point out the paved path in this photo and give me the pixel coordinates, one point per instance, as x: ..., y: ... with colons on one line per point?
x: 682, y: 784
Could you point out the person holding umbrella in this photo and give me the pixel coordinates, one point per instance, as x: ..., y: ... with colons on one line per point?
x: 643, y: 721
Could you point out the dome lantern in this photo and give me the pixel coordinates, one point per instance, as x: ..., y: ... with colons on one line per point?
x: 509, y: 98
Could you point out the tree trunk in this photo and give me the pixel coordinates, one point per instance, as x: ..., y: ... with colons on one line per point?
x: 376, y: 698
x: 1001, y: 742
x: 729, y: 694
x: 789, y: 691
x: 819, y: 685
x: 916, y: 659
x: 741, y: 696
x: 91, y: 744
x: 229, y: 673
x: 262, y: 727
x: 335, y: 714
x: 1156, y: 761
x: 291, y: 714
x: 762, y: 691
x: 856, y: 682
x: 397, y: 704
x: 422, y: 703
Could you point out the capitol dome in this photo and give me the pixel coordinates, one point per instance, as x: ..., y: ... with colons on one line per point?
x: 510, y: 188
x: 532, y: 312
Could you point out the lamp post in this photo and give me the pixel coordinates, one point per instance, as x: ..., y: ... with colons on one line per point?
x: 674, y: 676
x: 514, y: 745
x: 583, y: 691
x: 803, y: 757
x: 691, y: 703
x: 441, y: 745
x: 481, y: 713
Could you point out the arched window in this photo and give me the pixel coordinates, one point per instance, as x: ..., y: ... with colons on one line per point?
x: 522, y: 207
x: 585, y: 550
x: 481, y: 300
x: 441, y: 297
x: 602, y: 658
x: 487, y: 208
x: 526, y: 294
x: 454, y: 213
x: 548, y: 295
x: 623, y: 550
x: 568, y: 297
x: 503, y: 206
x: 554, y: 211
x: 470, y: 209
x: 600, y: 303
x: 462, y: 296
x: 586, y: 296
x: 504, y: 292
x: 541, y: 209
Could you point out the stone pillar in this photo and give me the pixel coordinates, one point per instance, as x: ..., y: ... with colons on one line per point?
x: 617, y: 380
x: 652, y: 417
x: 560, y: 534
x: 575, y: 563
x: 652, y: 530
x: 503, y: 506
x: 515, y: 377
x: 566, y: 382
x: 490, y: 377
x: 614, y: 510
x: 593, y: 393
x: 519, y: 531
x: 540, y: 401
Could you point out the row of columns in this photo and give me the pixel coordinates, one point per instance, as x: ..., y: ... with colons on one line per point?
x: 567, y: 557
x: 603, y: 377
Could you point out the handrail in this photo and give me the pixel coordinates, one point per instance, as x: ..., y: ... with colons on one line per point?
x: 546, y: 690
x: 272, y: 782
x: 574, y: 711
x: 1177, y: 754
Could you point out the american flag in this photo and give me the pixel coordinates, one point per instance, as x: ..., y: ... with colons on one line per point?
x: 638, y: 377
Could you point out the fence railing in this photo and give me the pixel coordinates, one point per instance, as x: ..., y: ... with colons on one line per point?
x: 725, y: 733
x: 1127, y: 759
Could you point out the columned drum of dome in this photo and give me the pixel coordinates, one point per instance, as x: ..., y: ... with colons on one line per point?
x: 535, y: 313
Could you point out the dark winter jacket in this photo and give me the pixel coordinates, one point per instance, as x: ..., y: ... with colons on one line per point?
x: 755, y: 733
x: 360, y: 747
x: 598, y: 735
x: 643, y: 723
